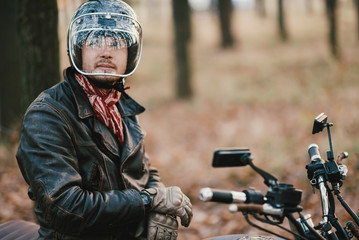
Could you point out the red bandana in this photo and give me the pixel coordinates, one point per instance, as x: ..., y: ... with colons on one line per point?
x: 104, y: 105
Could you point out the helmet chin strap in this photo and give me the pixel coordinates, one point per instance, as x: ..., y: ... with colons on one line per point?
x: 119, y: 84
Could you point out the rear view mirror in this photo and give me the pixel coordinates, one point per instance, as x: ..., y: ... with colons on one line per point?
x: 319, y: 123
x: 231, y: 157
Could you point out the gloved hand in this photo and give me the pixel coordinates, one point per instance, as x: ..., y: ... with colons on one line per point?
x: 161, y: 226
x: 171, y: 201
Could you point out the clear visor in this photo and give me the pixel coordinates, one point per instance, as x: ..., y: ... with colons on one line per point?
x: 105, y: 44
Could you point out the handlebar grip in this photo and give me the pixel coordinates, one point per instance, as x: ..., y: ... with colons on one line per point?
x: 313, y: 151
x: 258, y: 208
x: 222, y: 196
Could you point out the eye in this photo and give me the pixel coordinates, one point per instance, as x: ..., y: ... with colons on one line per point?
x: 116, y: 43
x: 94, y: 42
x: 113, y: 43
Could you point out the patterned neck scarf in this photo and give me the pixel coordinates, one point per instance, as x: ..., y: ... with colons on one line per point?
x: 104, y: 105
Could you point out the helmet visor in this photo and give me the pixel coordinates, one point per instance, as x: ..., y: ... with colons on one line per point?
x: 105, y: 44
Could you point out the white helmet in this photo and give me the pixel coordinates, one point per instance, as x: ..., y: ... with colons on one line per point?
x: 99, y: 19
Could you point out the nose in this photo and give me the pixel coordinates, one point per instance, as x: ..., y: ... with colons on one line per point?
x: 106, y: 52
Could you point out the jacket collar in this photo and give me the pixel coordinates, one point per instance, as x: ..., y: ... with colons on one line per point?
x: 127, y: 106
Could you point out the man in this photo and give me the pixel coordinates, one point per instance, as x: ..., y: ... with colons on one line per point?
x: 82, y: 150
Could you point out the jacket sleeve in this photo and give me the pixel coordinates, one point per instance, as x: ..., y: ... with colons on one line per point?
x: 47, y: 160
x: 154, y: 179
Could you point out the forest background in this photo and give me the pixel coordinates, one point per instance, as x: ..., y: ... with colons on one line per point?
x: 262, y: 93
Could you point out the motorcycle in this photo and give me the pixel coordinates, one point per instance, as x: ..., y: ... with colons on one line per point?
x: 282, y: 201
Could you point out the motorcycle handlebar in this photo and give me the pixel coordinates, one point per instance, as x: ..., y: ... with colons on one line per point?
x: 256, y: 208
x: 245, y: 208
x: 222, y: 196
x: 225, y: 196
x: 313, y: 151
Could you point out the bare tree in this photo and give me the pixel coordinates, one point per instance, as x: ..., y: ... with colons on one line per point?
x: 225, y: 10
x: 309, y: 6
x: 182, y: 30
x: 260, y: 8
x: 356, y: 4
x: 331, y: 6
x: 281, y: 20
x: 39, y: 46
x: 10, y: 88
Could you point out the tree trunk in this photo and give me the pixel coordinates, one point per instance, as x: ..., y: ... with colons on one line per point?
x: 309, y: 6
x: 182, y: 29
x: 331, y: 6
x: 10, y: 88
x: 39, y: 46
x: 225, y: 10
x: 356, y: 4
x: 282, y: 29
x: 260, y: 8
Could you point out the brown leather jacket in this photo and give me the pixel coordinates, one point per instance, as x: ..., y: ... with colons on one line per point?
x: 84, y: 185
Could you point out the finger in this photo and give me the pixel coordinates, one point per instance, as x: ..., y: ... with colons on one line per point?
x: 188, y: 207
x: 184, y: 217
x: 185, y: 214
x: 189, y: 211
x: 171, y: 222
x: 187, y: 201
x: 185, y: 222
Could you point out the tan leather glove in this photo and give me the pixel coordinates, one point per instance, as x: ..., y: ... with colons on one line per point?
x: 161, y: 226
x: 171, y: 201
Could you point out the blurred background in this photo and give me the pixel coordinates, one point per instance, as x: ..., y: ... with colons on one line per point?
x: 240, y: 73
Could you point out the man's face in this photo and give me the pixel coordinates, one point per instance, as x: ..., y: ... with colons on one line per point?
x: 104, y: 55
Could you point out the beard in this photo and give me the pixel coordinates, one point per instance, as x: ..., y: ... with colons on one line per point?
x: 106, y: 82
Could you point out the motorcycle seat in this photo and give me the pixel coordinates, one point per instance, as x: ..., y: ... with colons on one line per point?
x: 18, y: 230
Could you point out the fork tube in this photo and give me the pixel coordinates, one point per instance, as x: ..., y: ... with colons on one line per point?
x: 324, y: 197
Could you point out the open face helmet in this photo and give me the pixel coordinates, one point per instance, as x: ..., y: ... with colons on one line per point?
x: 98, y: 23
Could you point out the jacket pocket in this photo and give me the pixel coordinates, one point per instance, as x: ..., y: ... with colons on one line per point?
x: 96, y: 178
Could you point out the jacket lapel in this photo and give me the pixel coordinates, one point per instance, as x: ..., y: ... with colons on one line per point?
x: 106, y: 137
x: 128, y: 108
x: 102, y: 134
x: 133, y: 134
